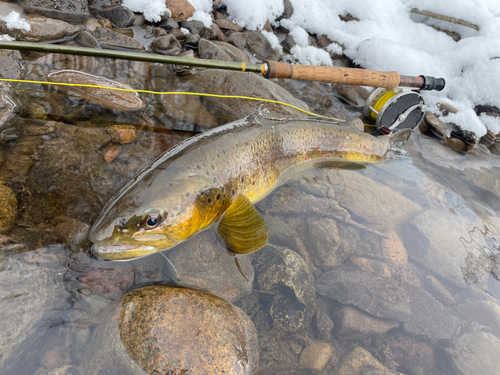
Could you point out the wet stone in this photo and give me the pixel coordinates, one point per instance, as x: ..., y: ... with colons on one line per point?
x: 328, y: 249
x: 166, y: 45
x: 31, y: 291
x: 42, y: 30
x: 379, y: 296
x: 238, y: 40
x: 110, y: 39
x: 86, y: 39
x: 259, y: 45
x: 442, y: 249
x: 192, y: 40
x: 361, y: 362
x: 120, y: 16
x: 354, y: 324
x: 221, y: 51
x: 201, y: 263
x: 475, y: 353
x: 72, y: 232
x: 74, y: 11
x: 181, y: 9
x: 316, y: 355
x: 91, y: 138
x: 286, y: 275
x: 438, y: 290
x: 486, y: 313
x: 398, y: 351
x: 228, y: 25
x: 122, y: 134
x: 8, y: 209
x: 160, y: 329
x: 194, y: 27
x: 10, y: 66
x: 429, y: 317
x: 323, y: 325
x: 112, y: 152
x: 169, y: 24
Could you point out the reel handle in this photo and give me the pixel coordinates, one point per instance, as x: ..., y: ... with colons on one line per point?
x: 343, y: 76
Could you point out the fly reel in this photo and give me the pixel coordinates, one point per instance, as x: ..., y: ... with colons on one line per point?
x: 394, y: 110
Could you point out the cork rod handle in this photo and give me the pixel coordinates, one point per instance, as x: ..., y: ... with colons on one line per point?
x: 343, y: 76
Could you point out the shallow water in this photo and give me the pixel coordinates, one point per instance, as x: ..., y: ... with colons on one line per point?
x: 442, y: 205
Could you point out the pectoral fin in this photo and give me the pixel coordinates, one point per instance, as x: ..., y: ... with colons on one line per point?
x: 242, y: 228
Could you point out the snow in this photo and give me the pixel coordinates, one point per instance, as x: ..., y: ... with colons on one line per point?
x: 273, y: 39
x: 14, y: 21
x: 6, y: 38
x: 388, y: 37
x: 152, y: 9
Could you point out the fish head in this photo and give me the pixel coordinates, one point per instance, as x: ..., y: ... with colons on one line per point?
x: 155, y: 213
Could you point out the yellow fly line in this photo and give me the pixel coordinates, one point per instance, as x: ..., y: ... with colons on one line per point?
x: 174, y: 93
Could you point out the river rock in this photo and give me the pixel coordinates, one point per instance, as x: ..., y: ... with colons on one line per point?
x: 8, y: 209
x: 32, y: 292
x: 365, y: 198
x: 215, y: 50
x: 448, y: 245
x: 86, y: 39
x: 41, y: 30
x: 259, y: 45
x: 286, y: 275
x: 122, y: 134
x: 316, y: 355
x: 10, y: 66
x: 181, y: 9
x: 112, y: 99
x: 360, y: 362
x: 166, y: 45
x: 379, y: 296
x: 120, y: 16
x: 247, y: 84
x: 438, y: 290
x: 396, y: 350
x: 202, y: 263
x: 91, y: 139
x: 169, y: 24
x: 429, y: 318
x: 194, y: 27
x: 225, y: 24
x: 158, y: 329
x: 72, y: 232
x: 238, y: 40
x: 486, y: 313
x: 113, y: 40
x: 353, y: 324
x: 74, y: 11
x: 475, y: 353
x: 328, y: 250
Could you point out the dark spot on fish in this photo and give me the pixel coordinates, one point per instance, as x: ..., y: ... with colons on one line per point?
x: 197, y: 166
x: 187, y: 195
x: 233, y: 192
x: 170, y: 184
x: 218, y: 155
x: 209, y: 200
x: 212, y: 166
x: 208, y: 174
x: 246, y: 143
x: 242, y: 179
x: 217, y: 197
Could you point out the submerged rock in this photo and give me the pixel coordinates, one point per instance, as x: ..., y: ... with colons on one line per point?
x: 202, y: 263
x: 166, y: 45
x: 161, y: 329
x: 41, y: 30
x: 286, y: 275
x: 486, y: 313
x: 10, y: 66
x: 316, y: 355
x: 452, y: 249
x: 122, y: 134
x: 360, y: 362
x: 112, y: 99
x: 354, y: 324
x: 475, y: 353
x: 8, y: 209
x: 120, y: 16
x: 31, y: 291
x: 379, y: 296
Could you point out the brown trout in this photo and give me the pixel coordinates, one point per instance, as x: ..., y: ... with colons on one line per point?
x: 215, y: 178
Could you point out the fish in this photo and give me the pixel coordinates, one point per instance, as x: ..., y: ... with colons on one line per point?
x: 214, y: 179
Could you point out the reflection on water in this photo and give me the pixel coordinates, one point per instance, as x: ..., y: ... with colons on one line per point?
x: 395, y: 266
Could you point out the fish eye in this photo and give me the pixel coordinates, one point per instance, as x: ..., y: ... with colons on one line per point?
x: 151, y: 220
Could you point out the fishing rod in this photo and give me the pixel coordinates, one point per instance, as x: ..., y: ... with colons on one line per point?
x: 393, y: 106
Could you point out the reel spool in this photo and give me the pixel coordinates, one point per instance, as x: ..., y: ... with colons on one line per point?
x: 394, y: 110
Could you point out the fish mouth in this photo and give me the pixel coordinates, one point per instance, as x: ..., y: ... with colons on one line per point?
x: 122, y: 252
